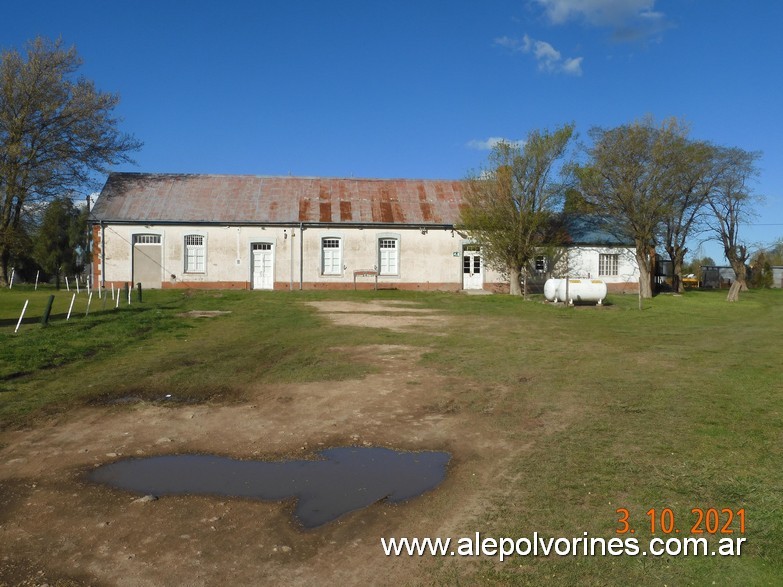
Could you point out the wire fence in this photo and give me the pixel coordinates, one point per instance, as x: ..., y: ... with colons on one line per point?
x: 24, y: 306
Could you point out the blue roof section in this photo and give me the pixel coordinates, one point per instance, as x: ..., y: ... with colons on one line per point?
x: 591, y: 229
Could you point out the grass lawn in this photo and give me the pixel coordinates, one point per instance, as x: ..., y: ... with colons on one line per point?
x: 679, y: 406
x: 676, y: 406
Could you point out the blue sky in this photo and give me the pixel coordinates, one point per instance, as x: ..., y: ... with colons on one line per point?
x: 417, y: 88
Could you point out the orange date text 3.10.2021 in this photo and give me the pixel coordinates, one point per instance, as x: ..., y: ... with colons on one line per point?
x: 700, y: 521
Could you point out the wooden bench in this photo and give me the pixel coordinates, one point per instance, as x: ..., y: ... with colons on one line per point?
x: 365, y: 274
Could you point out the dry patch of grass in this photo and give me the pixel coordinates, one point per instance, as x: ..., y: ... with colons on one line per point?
x: 398, y: 316
x: 203, y: 313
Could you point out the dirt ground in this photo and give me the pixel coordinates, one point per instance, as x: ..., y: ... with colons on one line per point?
x: 58, y: 529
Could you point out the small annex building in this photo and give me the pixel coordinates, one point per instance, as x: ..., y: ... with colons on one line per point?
x: 595, y: 252
x: 262, y: 232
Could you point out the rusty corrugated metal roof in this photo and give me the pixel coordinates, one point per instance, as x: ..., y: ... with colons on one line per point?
x: 234, y: 199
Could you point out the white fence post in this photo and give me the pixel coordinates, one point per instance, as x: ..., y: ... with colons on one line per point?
x: 21, y: 316
x: 11, y: 282
x: 89, y: 299
x: 68, y: 317
x: 76, y: 279
x: 36, y: 280
x: 67, y: 285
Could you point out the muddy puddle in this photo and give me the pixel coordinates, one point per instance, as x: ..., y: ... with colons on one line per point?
x: 340, y: 481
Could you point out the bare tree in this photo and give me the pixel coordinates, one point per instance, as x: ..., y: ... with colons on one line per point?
x: 732, y: 202
x: 56, y: 132
x: 696, y: 171
x: 508, y: 208
x: 629, y: 181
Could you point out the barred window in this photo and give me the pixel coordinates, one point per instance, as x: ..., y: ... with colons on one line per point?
x: 607, y: 264
x: 195, y: 254
x: 146, y: 239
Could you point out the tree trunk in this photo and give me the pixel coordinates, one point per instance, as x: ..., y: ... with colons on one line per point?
x: 734, y: 290
x: 739, y: 284
x: 5, y: 259
x: 677, y: 263
x: 677, y: 286
x: 645, y: 275
x: 513, y: 279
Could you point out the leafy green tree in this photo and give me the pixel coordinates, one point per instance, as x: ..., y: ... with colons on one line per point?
x: 761, y: 272
x: 61, y: 243
x: 56, y: 132
x: 696, y: 168
x: 509, y: 206
x: 774, y: 254
x: 576, y: 204
x: 694, y: 265
x: 761, y: 266
x: 629, y: 180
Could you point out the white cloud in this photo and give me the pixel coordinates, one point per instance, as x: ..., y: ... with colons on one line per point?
x: 628, y: 19
x: 549, y: 59
x: 573, y: 66
x: 491, y: 143
x: 596, y: 12
x: 508, y: 43
x: 547, y: 56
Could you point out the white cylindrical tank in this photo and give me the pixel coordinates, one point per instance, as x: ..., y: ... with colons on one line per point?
x: 582, y: 290
x: 550, y: 289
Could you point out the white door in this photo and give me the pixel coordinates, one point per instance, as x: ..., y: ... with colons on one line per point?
x: 262, y: 266
x: 472, y: 271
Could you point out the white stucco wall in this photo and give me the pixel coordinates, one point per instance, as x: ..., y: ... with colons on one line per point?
x: 583, y: 263
x: 430, y: 259
x: 228, y: 251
